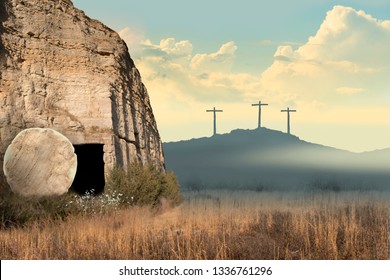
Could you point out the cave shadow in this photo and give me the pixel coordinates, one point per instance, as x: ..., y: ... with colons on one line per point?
x: 89, y: 177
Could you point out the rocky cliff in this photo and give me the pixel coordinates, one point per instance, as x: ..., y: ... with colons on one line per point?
x: 60, y: 69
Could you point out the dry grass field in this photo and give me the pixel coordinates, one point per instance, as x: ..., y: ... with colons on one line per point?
x: 217, y: 225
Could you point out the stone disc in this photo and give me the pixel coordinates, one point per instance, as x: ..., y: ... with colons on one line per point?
x: 40, y: 162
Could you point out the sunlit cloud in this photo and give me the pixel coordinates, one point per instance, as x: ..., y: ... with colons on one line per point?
x: 220, y: 61
x: 133, y: 37
x: 349, y: 48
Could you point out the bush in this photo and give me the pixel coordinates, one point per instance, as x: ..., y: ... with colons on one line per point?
x: 138, y: 185
x: 16, y: 210
x: 143, y: 185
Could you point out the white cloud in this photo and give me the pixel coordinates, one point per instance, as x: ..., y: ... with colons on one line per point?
x: 347, y: 34
x: 170, y: 46
x: 350, y: 48
x: 168, y: 51
x: 171, y: 49
x: 220, y: 61
x: 284, y: 53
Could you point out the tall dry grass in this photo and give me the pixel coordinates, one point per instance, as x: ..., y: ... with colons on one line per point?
x: 246, y: 225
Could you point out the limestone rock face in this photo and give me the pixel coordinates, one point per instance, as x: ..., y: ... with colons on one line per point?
x: 60, y: 69
x: 40, y: 162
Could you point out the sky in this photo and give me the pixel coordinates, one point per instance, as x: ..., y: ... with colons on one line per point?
x: 328, y: 60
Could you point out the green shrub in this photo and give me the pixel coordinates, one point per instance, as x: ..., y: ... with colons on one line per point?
x: 170, y: 188
x: 143, y: 185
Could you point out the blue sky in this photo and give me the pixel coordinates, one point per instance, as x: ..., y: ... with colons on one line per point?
x: 330, y: 63
x: 211, y: 23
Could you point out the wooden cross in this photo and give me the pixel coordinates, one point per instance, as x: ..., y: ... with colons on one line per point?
x: 259, y: 104
x: 215, y: 118
x: 288, y: 118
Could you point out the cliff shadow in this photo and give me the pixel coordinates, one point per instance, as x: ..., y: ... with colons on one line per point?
x: 4, y: 15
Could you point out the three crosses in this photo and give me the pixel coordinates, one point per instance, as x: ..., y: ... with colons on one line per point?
x: 215, y: 111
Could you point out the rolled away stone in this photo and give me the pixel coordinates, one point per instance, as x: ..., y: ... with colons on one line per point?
x: 40, y: 162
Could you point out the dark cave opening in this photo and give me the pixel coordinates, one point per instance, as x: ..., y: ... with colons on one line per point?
x: 90, y: 169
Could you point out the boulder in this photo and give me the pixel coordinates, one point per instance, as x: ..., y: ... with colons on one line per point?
x: 40, y: 162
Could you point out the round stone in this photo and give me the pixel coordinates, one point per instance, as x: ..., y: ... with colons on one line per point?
x: 40, y: 162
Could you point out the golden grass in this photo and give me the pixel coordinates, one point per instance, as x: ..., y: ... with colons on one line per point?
x: 245, y: 225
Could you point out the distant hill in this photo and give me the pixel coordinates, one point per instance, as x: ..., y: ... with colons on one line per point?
x: 269, y: 159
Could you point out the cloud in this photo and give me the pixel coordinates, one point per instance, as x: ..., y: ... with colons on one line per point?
x: 170, y: 48
x: 220, y: 61
x: 350, y: 47
x: 168, y: 51
x: 133, y: 37
x: 192, y: 76
x: 348, y: 34
x: 284, y: 53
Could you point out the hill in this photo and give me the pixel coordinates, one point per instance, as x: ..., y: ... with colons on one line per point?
x: 269, y: 159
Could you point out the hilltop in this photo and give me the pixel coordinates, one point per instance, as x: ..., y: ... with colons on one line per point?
x: 265, y: 158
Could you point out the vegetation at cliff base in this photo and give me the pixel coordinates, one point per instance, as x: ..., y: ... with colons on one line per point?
x: 136, y: 186
x: 143, y: 185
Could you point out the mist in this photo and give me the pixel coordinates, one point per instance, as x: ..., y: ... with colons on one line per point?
x: 265, y: 159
